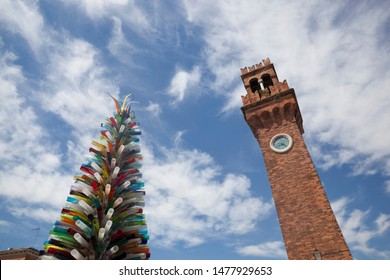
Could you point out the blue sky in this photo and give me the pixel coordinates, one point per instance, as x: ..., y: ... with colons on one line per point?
x: 208, y: 195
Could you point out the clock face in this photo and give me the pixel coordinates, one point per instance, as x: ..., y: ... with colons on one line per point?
x: 281, y: 143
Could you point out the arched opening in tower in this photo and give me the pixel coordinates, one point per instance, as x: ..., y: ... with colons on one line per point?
x: 254, y: 84
x: 267, y: 81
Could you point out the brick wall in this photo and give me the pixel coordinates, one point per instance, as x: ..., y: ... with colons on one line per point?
x: 306, y: 218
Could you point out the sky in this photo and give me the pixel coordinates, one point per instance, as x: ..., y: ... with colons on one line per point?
x: 208, y: 195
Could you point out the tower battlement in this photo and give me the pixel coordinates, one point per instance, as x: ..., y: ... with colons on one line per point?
x: 261, y: 64
x: 261, y: 82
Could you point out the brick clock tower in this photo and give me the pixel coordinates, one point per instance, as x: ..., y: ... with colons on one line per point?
x: 309, y: 227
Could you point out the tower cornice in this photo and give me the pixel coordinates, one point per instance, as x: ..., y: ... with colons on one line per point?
x: 264, y: 102
x: 272, y: 111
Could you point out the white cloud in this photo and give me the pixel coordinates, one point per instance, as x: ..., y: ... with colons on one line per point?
x: 154, y: 109
x: 234, y: 101
x: 357, y: 230
x: 183, y: 84
x: 76, y: 90
x: 190, y: 200
x: 4, y: 224
x: 179, y: 138
x: 36, y: 213
x: 77, y: 87
x: 127, y: 10
x: 119, y: 46
x: 25, y: 19
x: 32, y: 181
x: 97, y: 8
x: 27, y: 183
x: 21, y: 133
x: 331, y: 54
x: 30, y: 173
x: 274, y: 249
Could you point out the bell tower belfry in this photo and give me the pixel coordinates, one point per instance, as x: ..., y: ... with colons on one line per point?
x: 308, y: 224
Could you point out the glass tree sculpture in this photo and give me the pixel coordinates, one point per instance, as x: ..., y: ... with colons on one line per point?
x: 103, y: 215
